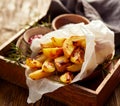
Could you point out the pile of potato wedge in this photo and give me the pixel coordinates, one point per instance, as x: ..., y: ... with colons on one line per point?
x: 61, y: 56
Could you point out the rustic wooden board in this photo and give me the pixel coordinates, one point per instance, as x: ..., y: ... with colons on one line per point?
x: 94, y: 91
x: 12, y: 73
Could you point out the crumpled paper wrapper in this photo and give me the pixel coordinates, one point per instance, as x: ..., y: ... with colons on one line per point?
x: 99, y: 45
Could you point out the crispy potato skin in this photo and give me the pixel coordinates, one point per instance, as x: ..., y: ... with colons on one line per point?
x: 57, y: 42
x: 66, y: 77
x: 53, y: 52
x: 77, y: 56
x: 61, y: 63
x: 38, y: 74
x: 48, y: 66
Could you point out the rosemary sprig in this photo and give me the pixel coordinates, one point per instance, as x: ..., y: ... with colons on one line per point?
x: 15, y: 54
x: 47, y: 23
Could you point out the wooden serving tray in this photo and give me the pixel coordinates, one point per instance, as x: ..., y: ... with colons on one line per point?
x: 8, y: 69
x: 92, y: 91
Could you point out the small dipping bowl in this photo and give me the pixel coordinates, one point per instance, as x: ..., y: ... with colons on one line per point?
x: 64, y: 19
x: 35, y: 31
x: 23, y: 42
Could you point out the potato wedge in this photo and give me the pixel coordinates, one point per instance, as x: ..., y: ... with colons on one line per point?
x: 38, y: 74
x: 48, y: 66
x: 47, y: 45
x: 74, y: 67
x: 57, y: 42
x: 33, y: 64
x: 41, y: 58
x: 61, y: 63
x: 53, y: 52
x: 68, y: 47
x: 79, y: 41
x: 77, y: 56
x: 66, y: 77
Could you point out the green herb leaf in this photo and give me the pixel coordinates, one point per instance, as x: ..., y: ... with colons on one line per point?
x: 15, y: 54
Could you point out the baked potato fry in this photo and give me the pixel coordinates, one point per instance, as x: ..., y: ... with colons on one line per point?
x: 33, y: 64
x: 77, y: 56
x: 61, y: 63
x: 41, y: 58
x: 66, y: 77
x: 79, y: 41
x: 74, y: 67
x: 68, y: 47
x: 48, y: 66
x: 53, y: 52
x: 38, y: 74
x: 47, y: 45
x: 57, y: 42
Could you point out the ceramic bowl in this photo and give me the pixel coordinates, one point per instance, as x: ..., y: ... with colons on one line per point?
x: 23, y: 42
x: 64, y: 19
x: 35, y: 31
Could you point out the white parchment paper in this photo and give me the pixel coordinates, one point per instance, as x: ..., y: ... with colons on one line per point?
x: 99, y: 45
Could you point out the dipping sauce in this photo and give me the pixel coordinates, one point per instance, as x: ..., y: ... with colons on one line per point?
x: 34, y: 37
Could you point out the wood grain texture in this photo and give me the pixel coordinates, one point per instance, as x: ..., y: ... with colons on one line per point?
x: 12, y: 95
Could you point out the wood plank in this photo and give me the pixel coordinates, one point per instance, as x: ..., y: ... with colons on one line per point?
x: 12, y: 95
x: 12, y: 73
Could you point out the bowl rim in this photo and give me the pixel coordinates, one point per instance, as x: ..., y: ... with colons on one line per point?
x: 66, y: 15
x: 28, y: 33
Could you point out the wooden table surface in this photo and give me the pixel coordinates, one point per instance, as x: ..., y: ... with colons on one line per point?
x: 12, y: 95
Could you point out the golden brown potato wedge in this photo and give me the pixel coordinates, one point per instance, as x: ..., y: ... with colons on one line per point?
x: 47, y: 45
x: 38, y: 74
x: 74, y: 67
x: 61, y: 63
x: 66, y: 77
x: 41, y: 58
x: 77, y: 56
x: 48, y: 66
x: 79, y: 41
x: 33, y: 64
x: 68, y: 47
x: 53, y: 52
x: 57, y: 42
